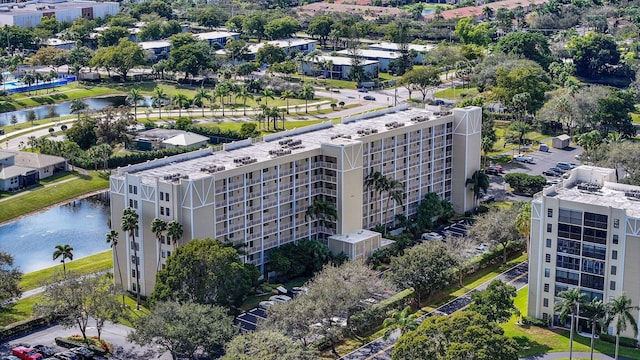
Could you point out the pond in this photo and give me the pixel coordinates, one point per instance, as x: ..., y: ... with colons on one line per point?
x: 82, y: 224
x: 63, y: 108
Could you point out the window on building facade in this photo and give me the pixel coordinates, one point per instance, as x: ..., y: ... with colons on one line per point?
x: 547, y: 258
x: 614, y: 254
x: 133, y: 272
x: 614, y: 270
x: 596, y: 220
x: 615, y: 239
x: 616, y: 223
x: 548, y: 243
x: 546, y: 287
x: 612, y: 285
x: 549, y: 228
x: 570, y: 216
x: 545, y: 302
x: 547, y: 272
x: 161, y: 195
x: 549, y: 212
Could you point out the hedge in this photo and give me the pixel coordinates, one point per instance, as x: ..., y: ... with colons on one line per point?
x: 23, y: 326
x: 364, y: 321
x: 624, y: 341
x: 69, y: 344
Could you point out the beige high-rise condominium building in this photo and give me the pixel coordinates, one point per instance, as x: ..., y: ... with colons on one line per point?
x: 257, y: 192
x: 585, y: 233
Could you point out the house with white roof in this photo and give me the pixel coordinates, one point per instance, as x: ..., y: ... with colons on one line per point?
x: 383, y: 57
x: 421, y: 50
x: 339, y: 67
x: 19, y: 169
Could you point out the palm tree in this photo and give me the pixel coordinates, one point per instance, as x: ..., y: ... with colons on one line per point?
x: 400, y: 320
x: 620, y: 310
x: 571, y: 300
x: 37, y: 77
x: 286, y: 95
x: 28, y: 79
x: 201, y: 95
x: 130, y: 224
x: 77, y: 107
x: 486, y: 145
x: 395, y: 191
x: 134, y: 97
x: 597, y: 312
x: 306, y: 93
x: 222, y: 90
x: 159, y: 98
x: 487, y: 11
x: 174, y: 231
x: 523, y: 222
x: 158, y: 226
x: 267, y: 94
x: 181, y: 100
x: 322, y: 211
x: 479, y: 182
x: 244, y: 93
x: 112, y: 239
x: 64, y: 252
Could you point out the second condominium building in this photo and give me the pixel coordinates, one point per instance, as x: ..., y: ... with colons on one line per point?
x: 257, y: 192
x: 585, y: 233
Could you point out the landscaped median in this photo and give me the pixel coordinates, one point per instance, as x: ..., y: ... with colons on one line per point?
x: 42, y: 197
x: 534, y: 340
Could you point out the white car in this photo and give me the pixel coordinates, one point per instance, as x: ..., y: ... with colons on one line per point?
x: 523, y: 158
x: 266, y: 304
x: 280, y: 298
x: 431, y: 236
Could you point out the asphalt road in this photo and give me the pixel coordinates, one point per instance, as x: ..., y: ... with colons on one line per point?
x: 381, y: 349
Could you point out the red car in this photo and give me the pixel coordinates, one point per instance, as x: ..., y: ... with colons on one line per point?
x: 26, y: 353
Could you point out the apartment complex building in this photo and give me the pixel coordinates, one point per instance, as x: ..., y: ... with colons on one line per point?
x: 585, y: 232
x: 257, y: 192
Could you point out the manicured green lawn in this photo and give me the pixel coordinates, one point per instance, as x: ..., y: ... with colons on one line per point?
x: 19, y: 311
x: 502, y: 131
x: 41, y: 196
x: 458, y: 94
x: 63, y: 93
x: 635, y: 117
x: 535, y: 340
x: 86, y: 265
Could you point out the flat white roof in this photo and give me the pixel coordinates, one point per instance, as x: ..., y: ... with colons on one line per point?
x: 374, y: 53
x: 355, y: 236
x: 147, y: 45
x: 56, y: 41
x: 283, y: 44
x: 311, y: 137
x: 45, y: 7
x: 396, y: 46
x: 341, y: 60
x: 212, y: 35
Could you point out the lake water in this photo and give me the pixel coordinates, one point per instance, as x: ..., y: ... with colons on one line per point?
x: 82, y: 224
x: 63, y: 108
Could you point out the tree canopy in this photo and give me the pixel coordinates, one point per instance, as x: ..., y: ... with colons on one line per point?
x: 530, y: 45
x: 495, y: 302
x: 9, y: 277
x: 205, y: 272
x: 266, y: 345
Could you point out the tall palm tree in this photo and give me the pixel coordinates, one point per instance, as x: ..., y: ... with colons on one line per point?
x: 571, y: 300
x: 266, y: 95
x: 28, y: 79
x: 133, y: 98
x: 158, y: 226
x: 201, y: 95
x: 222, y: 90
x: 286, y: 95
x: 307, y: 94
x: 400, y: 320
x: 597, y: 312
x: 620, y: 311
x: 159, y: 98
x: 112, y: 239
x: 244, y: 93
x: 77, y: 107
x: 174, y: 231
x: 486, y: 145
x: 479, y: 182
x: 37, y: 76
x: 322, y: 211
x: 130, y: 224
x: 181, y: 100
x: 64, y: 252
x: 523, y: 222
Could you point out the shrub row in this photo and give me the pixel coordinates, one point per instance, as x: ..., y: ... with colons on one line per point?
x: 23, y: 326
x: 69, y: 344
x: 529, y: 320
x: 624, y: 341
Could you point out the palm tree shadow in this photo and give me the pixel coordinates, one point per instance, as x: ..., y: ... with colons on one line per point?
x: 525, y: 343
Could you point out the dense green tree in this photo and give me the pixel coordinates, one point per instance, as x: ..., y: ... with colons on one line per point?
x: 469, y: 33
x: 160, y: 8
x: 121, y: 58
x: 479, y: 183
x: 303, y: 258
x: 266, y: 345
x: 320, y: 28
x: 531, y: 80
x: 593, y: 51
x: 254, y: 26
x: 10, y: 277
x: 426, y: 268
x: 237, y: 50
x: 495, y: 302
x: 569, y: 304
x: 190, y: 58
x: 463, y: 335
x: 613, y: 113
x: 522, y: 183
x: 112, y: 35
x: 235, y: 23
x: 422, y: 79
x: 281, y: 28
x: 270, y: 54
x: 530, y: 45
x: 402, y: 321
x: 429, y: 208
x: 183, y: 328
x: 122, y: 20
x: 205, y: 272
x: 51, y: 56
x: 211, y: 17
x: 80, y: 55
x: 497, y: 225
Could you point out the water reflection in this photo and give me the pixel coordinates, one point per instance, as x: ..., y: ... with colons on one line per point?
x: 81, y: 224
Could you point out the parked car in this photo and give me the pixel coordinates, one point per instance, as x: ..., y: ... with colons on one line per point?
x: 551, y: 172
x: 487, y: 198
x: 280, y: 298
x: 492, y: 171
x: 297, y: 290
x: 10, y: 357
x: 438, y: 102
x: 362, y: 90
x: 369, y: 97
x: 558, y: 170
x: 67, y: 355
x: 578, y: 157
x: 26, y: 353
x: 565, y: 165
x: 483, y: 247
x: 523, y: 158
x: 46, y: 351
x: 431, y: 236
x: 266, y: 304
x: 83, y: 353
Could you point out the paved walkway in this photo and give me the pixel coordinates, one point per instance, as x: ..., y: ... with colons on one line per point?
x: 381, y: 349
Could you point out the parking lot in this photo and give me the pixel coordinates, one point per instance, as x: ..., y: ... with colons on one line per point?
x: 541, y: 162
